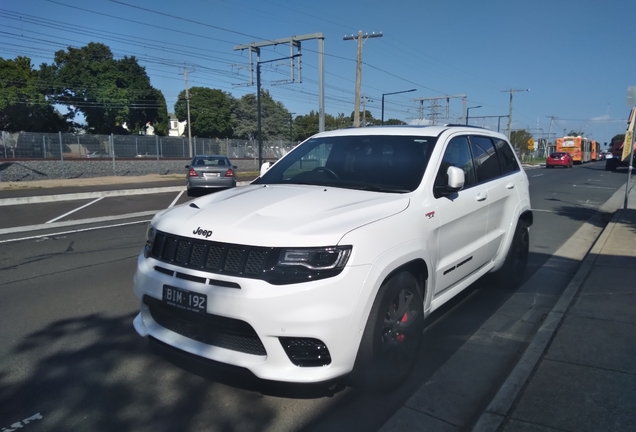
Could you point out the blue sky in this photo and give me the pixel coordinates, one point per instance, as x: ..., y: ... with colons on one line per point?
x: 575, y: 56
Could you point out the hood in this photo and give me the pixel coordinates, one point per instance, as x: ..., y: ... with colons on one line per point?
x: 279, y: 215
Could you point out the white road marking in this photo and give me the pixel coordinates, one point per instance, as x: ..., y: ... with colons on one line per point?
x: 176, y: 199
x: 87, y: 195
x: 542, y: 210
x: 73, y: 211
x: 20, y: 425
x: 15, y: 230
x: 594, y: 187
x: 538, y: 175
x: 46, y: 236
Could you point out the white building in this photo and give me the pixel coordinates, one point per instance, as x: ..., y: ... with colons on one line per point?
x: 176, y: 127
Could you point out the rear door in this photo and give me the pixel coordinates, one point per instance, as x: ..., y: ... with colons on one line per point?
x: 498, y: 170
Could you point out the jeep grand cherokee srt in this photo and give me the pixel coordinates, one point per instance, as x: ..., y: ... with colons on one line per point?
x: 328, y: 263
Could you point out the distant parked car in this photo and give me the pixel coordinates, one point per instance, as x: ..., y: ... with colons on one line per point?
x: 97, y: 154
x: 210, y: 172
x: 606, y: 155
x: 559, y: 159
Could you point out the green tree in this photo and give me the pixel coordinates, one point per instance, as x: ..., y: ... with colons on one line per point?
x: 106, y: 91
x: 519, y: 139
x: 394, y: 122
x: 306, y: 126
x: 23, y: 105
x: 274, y: 118
x: 366, y: 116
x: 210, y: 112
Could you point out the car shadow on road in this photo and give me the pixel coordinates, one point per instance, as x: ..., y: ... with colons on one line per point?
x: 92, y: 374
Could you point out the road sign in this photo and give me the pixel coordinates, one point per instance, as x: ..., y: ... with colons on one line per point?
x: 530, y: 144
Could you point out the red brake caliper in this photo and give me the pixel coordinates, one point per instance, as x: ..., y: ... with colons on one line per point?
x: 400, y: 337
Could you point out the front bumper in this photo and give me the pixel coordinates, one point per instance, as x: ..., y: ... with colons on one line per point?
x: 320, y: 310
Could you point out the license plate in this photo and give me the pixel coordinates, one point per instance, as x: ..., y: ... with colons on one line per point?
x: 210, y: 174
x: 184, y: 299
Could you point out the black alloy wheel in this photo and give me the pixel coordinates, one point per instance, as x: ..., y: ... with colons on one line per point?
x: 392, y: 336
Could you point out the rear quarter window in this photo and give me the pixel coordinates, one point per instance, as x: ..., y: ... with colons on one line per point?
x: 507, y: 159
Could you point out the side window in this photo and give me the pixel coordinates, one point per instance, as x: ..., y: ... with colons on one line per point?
x: 507, y: 160
x: 486, y: 161
x: 457, y: 154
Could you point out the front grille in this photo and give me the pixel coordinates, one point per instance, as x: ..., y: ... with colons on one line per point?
x: 213, y: 257
x: 306, y: 352
x: 206, y: 328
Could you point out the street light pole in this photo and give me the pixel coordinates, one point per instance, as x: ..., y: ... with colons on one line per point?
x: 468, y: 111
x: 386, y: 94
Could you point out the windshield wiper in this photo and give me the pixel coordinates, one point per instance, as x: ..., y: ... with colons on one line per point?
x: 373, y: 188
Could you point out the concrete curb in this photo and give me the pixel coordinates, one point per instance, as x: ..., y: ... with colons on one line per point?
x: 499, y: 408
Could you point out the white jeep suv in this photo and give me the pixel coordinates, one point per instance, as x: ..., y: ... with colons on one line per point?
x: 328, y: 263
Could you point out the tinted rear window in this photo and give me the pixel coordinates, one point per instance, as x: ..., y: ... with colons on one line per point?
x: 210, y: 161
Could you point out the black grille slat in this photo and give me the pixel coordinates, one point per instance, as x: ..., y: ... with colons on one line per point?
x: 213, y: 257
x: 233, y: 260
x: 157, y: 246
x: 197, y: 257
x: 183, y: 252
x: 210, y: 329
x: 255, y: 260
x: 169, y: 247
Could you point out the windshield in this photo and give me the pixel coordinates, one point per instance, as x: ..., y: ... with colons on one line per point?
x: 383, y: 163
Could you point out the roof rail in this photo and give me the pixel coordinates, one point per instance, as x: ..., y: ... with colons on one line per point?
x: 464, y: 125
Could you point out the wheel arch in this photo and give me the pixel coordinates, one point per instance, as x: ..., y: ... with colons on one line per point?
x: 417, y: 268
x: 527, y: 217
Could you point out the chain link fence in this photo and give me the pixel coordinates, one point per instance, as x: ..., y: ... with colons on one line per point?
x: 32, y: 156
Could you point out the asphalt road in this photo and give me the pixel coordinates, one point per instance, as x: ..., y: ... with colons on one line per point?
x: 70, y: 359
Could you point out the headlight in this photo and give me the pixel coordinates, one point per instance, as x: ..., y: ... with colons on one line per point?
x: 151, y: 233
x: 295, y: 265
x: 327, y: 258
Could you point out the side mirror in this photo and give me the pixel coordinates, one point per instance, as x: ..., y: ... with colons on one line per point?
x: 455, y: 182
x: 456, y: 179
x: 187, y: 166
x: 265, y: 167
x: 234, y: 167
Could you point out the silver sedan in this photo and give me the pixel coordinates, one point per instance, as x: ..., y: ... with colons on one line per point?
x: 210, y: 172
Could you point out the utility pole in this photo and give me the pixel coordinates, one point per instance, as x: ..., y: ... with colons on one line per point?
x: 185, y: 78
x: 552, y: 118
x: 360, y: 38
x: 510, y: 112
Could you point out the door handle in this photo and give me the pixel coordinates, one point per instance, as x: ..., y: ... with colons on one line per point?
x: 481, y: 196
x: 510, y: 185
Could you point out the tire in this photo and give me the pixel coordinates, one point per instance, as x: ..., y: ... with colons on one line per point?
x: 511, y: 274
x: 392, y: 336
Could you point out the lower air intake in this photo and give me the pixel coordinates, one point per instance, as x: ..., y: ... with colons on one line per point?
x: 306, y: 352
